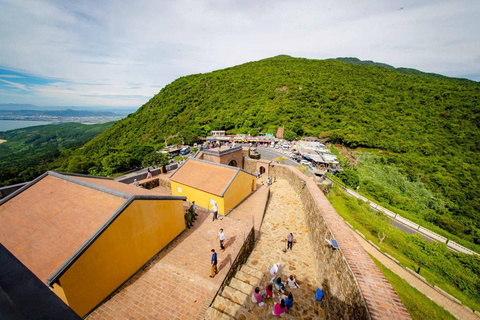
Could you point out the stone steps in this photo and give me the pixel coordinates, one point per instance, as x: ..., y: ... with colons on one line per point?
x: 236, y: 296
x: 214, y: 314
x: 235, y: 302
x: 232, y: 309
x: 247, y: 278
x: 241, y: 286
x: 252, y: 271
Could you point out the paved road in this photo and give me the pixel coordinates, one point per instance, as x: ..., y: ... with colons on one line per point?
x: 272, y: 153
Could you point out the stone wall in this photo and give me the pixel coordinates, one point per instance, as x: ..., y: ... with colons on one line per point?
x: 250, y: 165
x: 354, y: 287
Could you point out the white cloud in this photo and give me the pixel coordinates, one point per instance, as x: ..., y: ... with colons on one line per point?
x: 97, y: 49
x: 14, y: 85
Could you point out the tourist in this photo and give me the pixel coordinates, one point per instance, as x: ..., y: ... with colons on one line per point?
x: 290, y: 240
x: 188, y: 223
x: 221, y: 236
x: 149, y: 174
x: 215, y: 212
x: 194, y: 208
x: 289, y: 301
x: 135, y: 183
x: 269, y: 292
x: 292, y: 283
x: 279, y: 285
x: 257, y: 296
x: 274, y: 271
x: 214, y: 264
x: 279, y: 309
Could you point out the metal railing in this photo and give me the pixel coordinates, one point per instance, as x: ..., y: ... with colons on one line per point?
x: 424, y: 231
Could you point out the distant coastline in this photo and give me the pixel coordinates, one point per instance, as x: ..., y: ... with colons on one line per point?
x: 6, y: 125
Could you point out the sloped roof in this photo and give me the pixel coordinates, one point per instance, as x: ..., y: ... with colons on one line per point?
x: 47, y: 222
x: 51, y: 221
x: 207, y: 176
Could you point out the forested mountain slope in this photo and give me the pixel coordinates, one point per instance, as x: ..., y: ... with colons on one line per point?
x: 426, y: 125
x: 31, y: 151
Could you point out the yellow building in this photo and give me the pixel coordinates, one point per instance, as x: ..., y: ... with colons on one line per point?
x: 85, y: 236
x: 208, y: 183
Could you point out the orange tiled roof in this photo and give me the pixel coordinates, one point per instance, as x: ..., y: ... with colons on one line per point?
x: 46, y: 223
x: 205, y: 176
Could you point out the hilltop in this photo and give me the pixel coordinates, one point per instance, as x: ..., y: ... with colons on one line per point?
x: 425, y: 125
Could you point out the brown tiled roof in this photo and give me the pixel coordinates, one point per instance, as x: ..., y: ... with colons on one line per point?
x: 47, y: 222
x: 205, y: 176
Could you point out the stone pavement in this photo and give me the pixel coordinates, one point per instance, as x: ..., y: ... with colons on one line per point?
x: 284, y: 214
x: 457, y: 310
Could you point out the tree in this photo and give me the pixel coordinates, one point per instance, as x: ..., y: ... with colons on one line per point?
x: 155, y: 159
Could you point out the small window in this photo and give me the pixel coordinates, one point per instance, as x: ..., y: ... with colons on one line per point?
x: 179, y: 190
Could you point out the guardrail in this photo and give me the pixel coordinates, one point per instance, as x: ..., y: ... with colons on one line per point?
x: 424, y: 231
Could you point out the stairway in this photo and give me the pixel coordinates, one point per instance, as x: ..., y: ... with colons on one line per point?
x: 235, y: 300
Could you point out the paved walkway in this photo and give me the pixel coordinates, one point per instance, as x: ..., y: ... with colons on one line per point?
x: 455, y: 309
x: 284, y: 215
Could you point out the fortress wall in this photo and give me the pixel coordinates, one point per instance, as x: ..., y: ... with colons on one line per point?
x: 354, y: 287
x: 250, y: 165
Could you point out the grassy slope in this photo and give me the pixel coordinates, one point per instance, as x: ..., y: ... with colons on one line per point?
x: 457, y: 274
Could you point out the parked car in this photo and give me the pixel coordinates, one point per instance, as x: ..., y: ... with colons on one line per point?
x: 305, y: 162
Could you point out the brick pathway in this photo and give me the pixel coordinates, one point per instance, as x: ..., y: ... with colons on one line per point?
x: 454, y: 308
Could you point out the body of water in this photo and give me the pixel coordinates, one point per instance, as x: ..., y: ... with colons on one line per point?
x: 6, y: 125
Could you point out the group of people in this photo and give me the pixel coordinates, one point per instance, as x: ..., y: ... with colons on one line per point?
x: 214, y: 261
x: 285, y: 298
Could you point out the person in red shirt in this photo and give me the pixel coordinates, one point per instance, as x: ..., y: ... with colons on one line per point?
x: 269, y: 291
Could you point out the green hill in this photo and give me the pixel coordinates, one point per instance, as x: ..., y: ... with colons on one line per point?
x: 31, y: 151
x: 426, y: 125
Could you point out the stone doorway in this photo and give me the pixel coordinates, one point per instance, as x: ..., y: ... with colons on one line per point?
x: 233, y: 163
x: 262, y: 170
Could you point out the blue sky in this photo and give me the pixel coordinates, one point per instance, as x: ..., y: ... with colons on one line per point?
x: 121, y: 53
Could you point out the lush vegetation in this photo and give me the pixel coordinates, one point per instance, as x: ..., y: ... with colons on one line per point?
x: 425, y: 125
x: 456, y: 273
x: 31, y: 151
x: 418, y: 305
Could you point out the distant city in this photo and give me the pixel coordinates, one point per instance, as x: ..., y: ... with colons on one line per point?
x: 62, y: 114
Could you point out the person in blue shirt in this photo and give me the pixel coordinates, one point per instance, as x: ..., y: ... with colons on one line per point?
x: 214, y: 264
x: 289, y: 301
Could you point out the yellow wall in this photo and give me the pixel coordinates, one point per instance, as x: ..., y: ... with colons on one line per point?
x: 241, y: 187
x: 142, y: 230
x: 201, y: 198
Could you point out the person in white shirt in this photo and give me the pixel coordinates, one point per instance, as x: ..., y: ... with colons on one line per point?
x: 215, y: 212
x: 274, y: 271
x: 221, y: 236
